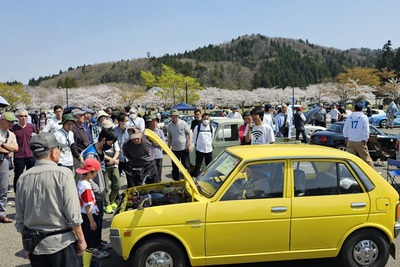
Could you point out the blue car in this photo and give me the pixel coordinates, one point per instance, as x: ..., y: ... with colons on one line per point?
x: 382, y: 121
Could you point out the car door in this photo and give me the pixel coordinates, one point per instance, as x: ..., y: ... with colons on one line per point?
x: 332, y: 202
x: 239, y: 225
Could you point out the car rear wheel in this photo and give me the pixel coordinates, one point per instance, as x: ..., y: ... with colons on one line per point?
x: 383, y: 123
x: 158, y: 253
x: 342, y: 147
x: 365, y: 248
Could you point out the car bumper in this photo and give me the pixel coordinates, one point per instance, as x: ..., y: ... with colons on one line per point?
x: 115, y: 240
x: 396, y: 229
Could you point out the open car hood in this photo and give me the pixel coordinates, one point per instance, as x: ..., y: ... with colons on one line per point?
x: 190, y: 185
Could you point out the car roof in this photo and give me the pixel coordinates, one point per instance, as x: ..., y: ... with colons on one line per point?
x: 283, y: 151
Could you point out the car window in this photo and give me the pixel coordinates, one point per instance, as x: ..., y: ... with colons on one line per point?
x: 255, y: 181
x: 228, y: 132
x: 317, y: 178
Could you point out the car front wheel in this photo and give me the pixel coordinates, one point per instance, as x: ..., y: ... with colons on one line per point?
x: 365, y: 248
x: 158, y: 253
x: 383, y: 123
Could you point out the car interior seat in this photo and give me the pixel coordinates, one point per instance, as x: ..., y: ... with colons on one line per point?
x: 299, y: 183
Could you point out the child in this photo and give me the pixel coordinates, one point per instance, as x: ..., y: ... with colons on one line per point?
x: 89, y: 208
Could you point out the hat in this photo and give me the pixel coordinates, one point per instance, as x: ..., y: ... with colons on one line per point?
x: 67, y: 117
x: 107, y: 124
x: 89, y: 165
x: 320, y: 104
x: 102, y: 113
x: 9, y: 116
x: 174, y: 112
x: 134, y: 132
x: 234, y: 107
x: 76, y: 112
x: 88, y: 110
x: 44, y: 141
x: 152, y: 117
x: 299, y: 109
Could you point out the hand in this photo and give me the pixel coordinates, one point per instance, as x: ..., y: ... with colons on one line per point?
x: 80, y: 247
x: 93, y: 226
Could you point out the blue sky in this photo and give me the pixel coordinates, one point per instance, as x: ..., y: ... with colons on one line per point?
x: 39, y: 38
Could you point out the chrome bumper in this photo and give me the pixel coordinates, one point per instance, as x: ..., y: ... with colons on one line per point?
x: 115, y: 240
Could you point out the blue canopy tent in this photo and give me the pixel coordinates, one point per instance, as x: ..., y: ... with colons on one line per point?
x: 183, y: 106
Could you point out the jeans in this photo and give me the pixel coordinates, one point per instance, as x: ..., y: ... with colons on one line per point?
x: 19, y: 166
x: 303, y: 133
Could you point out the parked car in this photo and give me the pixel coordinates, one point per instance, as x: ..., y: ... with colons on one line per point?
x: 333, y: 137
x: 381, y: 120
x: 217, y: 113
x: 257, y: 204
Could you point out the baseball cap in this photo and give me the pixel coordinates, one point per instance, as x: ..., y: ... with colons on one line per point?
x: 88, y: 166
x: 134, y: 132
x: 174, y: 112
x: 67, y: 117
x: 299, y: 109
x: 44, y: 141
x: 9, y: 116
x: 77, y: 111
x: 88, y: 110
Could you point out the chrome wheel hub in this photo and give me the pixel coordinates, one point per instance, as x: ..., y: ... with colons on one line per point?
x: 365, y: 252
x: 159, y: 259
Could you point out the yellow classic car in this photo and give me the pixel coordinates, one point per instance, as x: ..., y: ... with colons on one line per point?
x: 261, y: 203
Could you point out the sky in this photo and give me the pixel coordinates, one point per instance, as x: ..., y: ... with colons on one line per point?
x: 40, y: 38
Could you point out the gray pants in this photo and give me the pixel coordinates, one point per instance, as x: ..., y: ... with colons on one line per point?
x: 4, y: 175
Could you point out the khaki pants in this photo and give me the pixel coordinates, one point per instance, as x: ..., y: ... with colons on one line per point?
x: 360, y: 149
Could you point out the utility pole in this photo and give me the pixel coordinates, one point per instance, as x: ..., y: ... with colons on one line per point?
x: 186, y: 91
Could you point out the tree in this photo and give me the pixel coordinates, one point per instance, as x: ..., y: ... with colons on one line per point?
x: 385, y: 60
x: 173, y: 87
x: 128, y: 94
x: 15, y: 95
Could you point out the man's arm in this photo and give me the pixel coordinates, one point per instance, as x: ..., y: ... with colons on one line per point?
x: 80, y: 243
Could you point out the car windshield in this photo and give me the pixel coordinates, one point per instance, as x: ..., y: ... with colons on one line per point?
x: 216, y: 173
x: 336, y: 127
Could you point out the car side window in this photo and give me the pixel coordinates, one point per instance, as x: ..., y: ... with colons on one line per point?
x: 257, y: 181
x: 229, y: 132
x: 317, y: 178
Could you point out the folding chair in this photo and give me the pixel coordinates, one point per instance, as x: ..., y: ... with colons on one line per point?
x: 393, y: 172
x: 381, y: 155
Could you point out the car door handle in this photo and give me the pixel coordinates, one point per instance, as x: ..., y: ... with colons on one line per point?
x: 278, y: 209
x: 358, y: 205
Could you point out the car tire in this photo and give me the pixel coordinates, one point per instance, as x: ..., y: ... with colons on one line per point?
x: 365, y: 248
x: 158, y: 252
x: 383, y: 123
x: 342, y: 147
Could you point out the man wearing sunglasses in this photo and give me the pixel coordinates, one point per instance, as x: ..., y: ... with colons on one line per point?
x: 23, y: 158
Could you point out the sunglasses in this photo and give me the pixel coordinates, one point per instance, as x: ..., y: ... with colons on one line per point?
x: 23, y: 116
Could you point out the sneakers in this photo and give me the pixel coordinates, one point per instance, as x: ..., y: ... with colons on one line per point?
x: 114, y: 206
x: 108, y: 209
x: 105, y: 245
x: 99, y: 254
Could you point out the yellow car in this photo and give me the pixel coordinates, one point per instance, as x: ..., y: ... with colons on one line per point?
x: 261, y: 203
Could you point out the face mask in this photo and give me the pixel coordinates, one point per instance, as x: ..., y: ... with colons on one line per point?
x: 126, y: 124
x: 106, y: 147
x: 133, y: 116
x: 206, y: 122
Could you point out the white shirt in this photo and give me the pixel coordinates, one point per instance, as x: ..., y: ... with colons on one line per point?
x: 204, y: 141
x: 52, y: 125
x: 66, y: 138
x: 267, y: 119
x: 262, y: 134
x: 334, y: 114
x: 234, y: 115
x: 356, y: 127
x: 138, y: 122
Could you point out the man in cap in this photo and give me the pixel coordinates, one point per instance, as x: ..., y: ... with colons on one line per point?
x: 54, y: 124
x: 234, y: 114
x: 89, y: 122
x: 66, y: 136
x: 51, y: 188
x: 138, y: 150
x: 81, y: 139
x: 135, y: 120
x: 8, y: 145
x: 23, y: 158
x: 180, y: 141
x: 96, y: 127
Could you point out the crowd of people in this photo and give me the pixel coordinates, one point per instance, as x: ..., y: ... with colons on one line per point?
x: 67, y: 169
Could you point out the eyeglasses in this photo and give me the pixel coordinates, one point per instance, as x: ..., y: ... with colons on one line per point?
x: 23, y: 116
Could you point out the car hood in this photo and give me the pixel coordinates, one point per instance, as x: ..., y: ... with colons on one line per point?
x: 190, y: 185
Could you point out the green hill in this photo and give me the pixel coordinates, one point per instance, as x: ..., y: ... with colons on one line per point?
x: 247, y: 62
